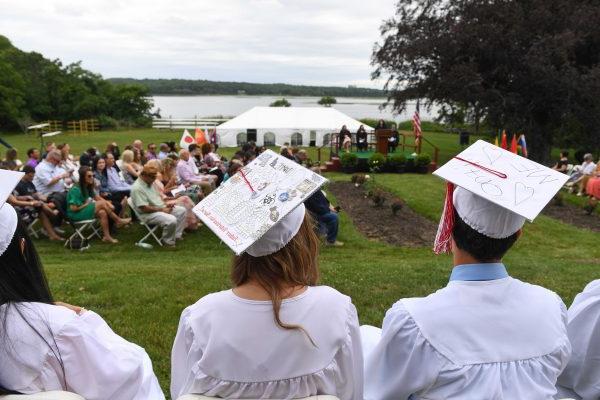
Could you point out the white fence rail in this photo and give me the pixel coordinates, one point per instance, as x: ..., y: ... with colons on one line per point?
x: 186, y: 123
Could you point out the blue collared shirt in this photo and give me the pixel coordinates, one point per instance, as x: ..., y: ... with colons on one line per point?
x: 478, y: 272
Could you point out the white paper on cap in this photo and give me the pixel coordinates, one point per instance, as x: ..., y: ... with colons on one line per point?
x: 526, y: 190
x: 241, y: 212
x: 8, y: 181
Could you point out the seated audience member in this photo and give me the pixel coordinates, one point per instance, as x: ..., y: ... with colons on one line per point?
x: 212, y: 163
x: 118, y: 199
x: 170, y: 180
x: 563, y: 162
x: 300, y: 157
x: 151, y: 208
x: 186, y: 175
x: 581, y: 377
x: 583, y: 183
x: 179, y: 199
x: 67, y: 164
x: 234, y: 166
x: 48, y: 147
x: 164, y: 151
x: 49, y: 177
x: 87, y: 158
x: 362, y: 143
x: 116, y: 185
x: 138, y: 145
x: 286, y: 152
x: 196, y: 160
x: 48, y: 346
x: 31, y: 205
x: 485, y: 335
x: 113, y: 148
x: 291, y: 338
x: 325, y: 215
x: 33, y: 157
x: 11, y: 161
x: 130, y: 168
x: 151, y: 153
x: 84, y: 204
x: 592, y: 189
x: 580, y: 173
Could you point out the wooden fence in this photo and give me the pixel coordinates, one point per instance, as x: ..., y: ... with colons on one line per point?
x: 83, y: 127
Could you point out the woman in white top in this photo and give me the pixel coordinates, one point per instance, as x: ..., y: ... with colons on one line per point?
x: 275, y: 334
x: 45, y: 346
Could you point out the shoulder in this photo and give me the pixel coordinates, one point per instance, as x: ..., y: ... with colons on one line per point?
x: 212, y: 302
x: 43, y: 316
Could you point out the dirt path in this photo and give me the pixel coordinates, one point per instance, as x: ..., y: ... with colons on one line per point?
x: 406, y: 228
x: 573, y: 215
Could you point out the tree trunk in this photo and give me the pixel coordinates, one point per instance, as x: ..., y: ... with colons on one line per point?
x: 539, y: 143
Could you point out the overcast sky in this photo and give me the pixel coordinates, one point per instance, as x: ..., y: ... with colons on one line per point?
x: 324, y: 42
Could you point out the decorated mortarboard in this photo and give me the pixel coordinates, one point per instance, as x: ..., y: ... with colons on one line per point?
x: 8, y: 215
x: 260, y: 208
x: 493, y: 191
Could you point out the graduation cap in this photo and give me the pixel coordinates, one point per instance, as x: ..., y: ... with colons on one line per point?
x: 493, y: 191
x: 260, y: 208
x: 8, y: 215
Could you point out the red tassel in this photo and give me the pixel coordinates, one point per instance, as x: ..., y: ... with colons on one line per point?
x: 443, y: 239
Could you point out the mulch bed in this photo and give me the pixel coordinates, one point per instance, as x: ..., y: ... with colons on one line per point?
x: 406, y: 228
x: 571, y: 214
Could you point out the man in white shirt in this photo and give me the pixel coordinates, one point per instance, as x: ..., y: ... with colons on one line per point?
x: 49, y: 177
x: 485, y: 335
x: 187, y: 176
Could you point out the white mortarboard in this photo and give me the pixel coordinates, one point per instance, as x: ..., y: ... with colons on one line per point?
x: 497, y: 191
x: 260, y: 209
x: 8, y: 215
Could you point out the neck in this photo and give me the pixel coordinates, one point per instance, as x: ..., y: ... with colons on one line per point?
x: 252, y: 290
x: 460, y: 257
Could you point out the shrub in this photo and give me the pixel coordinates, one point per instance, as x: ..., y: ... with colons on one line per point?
x: 423, y: 160
x: 376, y: 162
x: 108, y: 123
x: 280, y: 103
x: 397, y: 158
x: 327, y: 101
x: 348, y: 160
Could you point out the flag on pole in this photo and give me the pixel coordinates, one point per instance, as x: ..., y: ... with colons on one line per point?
x: 513, y: 144
x: 186, y: 140
x: 417, y: 122
x: 496, y: 141
x: 523, y: 145
x: 504, y: 141
x: 200, y: 137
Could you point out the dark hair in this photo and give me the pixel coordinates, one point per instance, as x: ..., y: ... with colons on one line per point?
x: 86, y: 190
x: 205, y: 149
x: 31, y: 151
x: 22, y: 280
x: 28, y: 169
x: 565, y: 153
x: 481, y: 247
x: 192, y: 147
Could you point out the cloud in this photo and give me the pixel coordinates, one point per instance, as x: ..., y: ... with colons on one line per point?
x: 309, y: 41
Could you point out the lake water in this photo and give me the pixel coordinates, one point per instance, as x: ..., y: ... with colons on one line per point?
x: 207, y: 106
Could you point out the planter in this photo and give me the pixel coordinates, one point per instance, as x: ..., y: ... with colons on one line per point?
x: 362, y: 165
x: 422, y: 169
x: 350, y: 169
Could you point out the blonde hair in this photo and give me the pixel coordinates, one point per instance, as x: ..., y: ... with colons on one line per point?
x: 295, y: 264
x: 127, y: 156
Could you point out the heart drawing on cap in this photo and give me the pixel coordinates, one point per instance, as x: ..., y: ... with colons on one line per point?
x: 492, y: 153
x: 522, y: 193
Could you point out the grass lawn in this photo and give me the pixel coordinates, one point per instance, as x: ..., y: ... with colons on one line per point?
x: 141, y: 293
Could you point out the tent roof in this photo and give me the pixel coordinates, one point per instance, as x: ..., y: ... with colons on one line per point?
x: 292, y: 118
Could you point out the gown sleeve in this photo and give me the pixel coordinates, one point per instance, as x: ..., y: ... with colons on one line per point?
x: 182, y: 357
x: 402, y: 362
x: 101, y: 365
x: 350, y: 361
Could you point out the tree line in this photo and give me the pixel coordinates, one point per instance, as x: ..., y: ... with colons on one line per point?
x: 33, y: 89
x: 205, y: 87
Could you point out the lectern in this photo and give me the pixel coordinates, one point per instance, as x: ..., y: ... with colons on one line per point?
x: 382, y: 136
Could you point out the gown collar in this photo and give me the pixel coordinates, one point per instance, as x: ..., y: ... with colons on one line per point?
x: 478, y: 272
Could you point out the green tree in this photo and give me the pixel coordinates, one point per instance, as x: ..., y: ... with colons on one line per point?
x: 280, y: 103
x: 327, y: 101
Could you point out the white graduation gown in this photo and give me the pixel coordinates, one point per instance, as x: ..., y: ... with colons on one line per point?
x: 98, y: 364
x: 581, y: 378
x: 496, y: 339
x: 230, y: 347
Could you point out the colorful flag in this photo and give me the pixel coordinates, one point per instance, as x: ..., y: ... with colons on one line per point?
x: 200, y: 137
x: 504, y: 141
x: 186, y: 140
x: 417, y: 122
x: 496, y: 141
x: 523, y: 145
x: 513, y: 144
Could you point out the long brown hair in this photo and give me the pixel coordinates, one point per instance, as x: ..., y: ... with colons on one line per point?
x: 295, y: 264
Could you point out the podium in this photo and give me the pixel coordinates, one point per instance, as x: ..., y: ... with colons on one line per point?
x: 382, y: 136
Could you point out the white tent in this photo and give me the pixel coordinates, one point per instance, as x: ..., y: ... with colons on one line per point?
x: 299, y: 126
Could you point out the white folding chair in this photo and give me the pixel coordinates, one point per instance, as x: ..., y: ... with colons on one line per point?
x: 200, y: 397
x: 32, y: 230
x: 150, y: 228
x: 82, y: 228
x: 54, y: 395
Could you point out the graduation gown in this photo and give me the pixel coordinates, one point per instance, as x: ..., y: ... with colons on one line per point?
x: 484, y: 336
x: 231, y: 347
x: 581, y: 378
x: 77, y: 353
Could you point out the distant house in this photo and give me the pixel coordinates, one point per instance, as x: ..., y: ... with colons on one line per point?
x: 299, y: 126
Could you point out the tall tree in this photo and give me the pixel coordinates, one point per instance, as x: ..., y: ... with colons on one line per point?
x: 531, y: 66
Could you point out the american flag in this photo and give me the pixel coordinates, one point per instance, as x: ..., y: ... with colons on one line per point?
x: 417, y: 122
